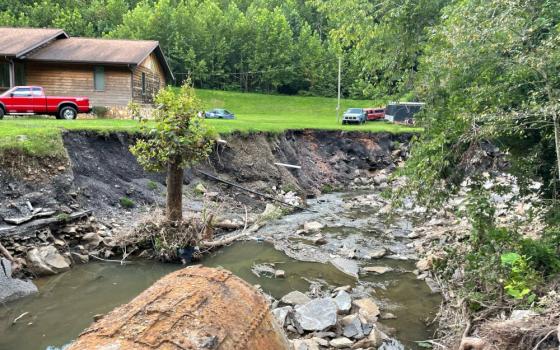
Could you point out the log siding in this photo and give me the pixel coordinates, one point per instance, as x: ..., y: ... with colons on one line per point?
x: 78, y: 80
x: 154, y: 79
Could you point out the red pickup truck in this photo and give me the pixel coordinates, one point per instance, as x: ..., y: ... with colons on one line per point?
x: 375, y: 113
x: 32, y: 100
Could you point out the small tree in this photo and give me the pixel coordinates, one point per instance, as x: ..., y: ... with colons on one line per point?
x: 179, y: 138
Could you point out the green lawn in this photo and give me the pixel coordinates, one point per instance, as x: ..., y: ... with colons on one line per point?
x: 254, y: 112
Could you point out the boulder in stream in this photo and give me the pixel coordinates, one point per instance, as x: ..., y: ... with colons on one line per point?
x: 295, y: 298
x: 352, y: 326
x: 343, y: 301
x: 367, y: 309
x: 377, y: 269
x: 341, y: 343
x: 312, y: 226
x: 347, y: 266
x: 47, y: 261
x: 13, y: 288
x: 316, y: 315
x: 192, y: 308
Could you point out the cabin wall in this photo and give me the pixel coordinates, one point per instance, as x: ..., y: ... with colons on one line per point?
x: 154, y: 76
x: 78, y: 80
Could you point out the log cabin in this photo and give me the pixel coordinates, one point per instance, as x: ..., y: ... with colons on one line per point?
x: 111, y: 72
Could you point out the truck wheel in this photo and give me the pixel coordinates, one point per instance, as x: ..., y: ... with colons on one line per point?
x: 67, y: 113
x: 1, y: 113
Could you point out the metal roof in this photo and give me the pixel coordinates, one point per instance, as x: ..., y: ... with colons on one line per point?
x: 100, y: 51
x: 15, y: 42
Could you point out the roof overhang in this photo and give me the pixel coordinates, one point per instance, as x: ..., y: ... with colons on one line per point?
x: 58, y: 35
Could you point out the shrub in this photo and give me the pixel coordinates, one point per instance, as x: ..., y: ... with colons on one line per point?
x: 126, y: 202
x: 152, y: 185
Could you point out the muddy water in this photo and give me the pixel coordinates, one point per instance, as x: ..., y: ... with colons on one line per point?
x: 67, y: 303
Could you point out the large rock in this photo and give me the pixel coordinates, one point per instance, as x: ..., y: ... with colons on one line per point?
x: 92, y: 239
x: 312, y: 226
x: 192, y: 308
x: 377, y: 269
x: 316, y: 315
x: 374, y: 340
x: 295, y: 298
x: 341, y: 343
x: 347, y: 266
x: 281, y: 313
x: 47, y: 261
x: 367, y: 309
x: 343, y: 301
x: 352, y: 326
x: 12, y: 288
x: 305, y: 344
x: 377, y: 253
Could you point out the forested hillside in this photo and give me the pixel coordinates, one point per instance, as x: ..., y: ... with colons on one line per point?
x: 264, y: 45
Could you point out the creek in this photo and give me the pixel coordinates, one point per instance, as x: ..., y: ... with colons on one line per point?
x: 67, y: 303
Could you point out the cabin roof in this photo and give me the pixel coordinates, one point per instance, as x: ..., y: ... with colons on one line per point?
x: 16, y: 42
x: 101, y: 51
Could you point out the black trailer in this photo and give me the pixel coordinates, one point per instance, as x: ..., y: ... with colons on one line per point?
x: 402, y: 112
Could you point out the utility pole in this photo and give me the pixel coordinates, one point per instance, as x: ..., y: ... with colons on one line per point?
x: 338, y: 101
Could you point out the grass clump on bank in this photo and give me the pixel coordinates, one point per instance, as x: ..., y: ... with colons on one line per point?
x: 41, y: 136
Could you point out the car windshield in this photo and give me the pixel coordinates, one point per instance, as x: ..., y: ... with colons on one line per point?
x: 354, y: 110
x: 218, y: 111
x: 227, y: 112
x: 7, y: 93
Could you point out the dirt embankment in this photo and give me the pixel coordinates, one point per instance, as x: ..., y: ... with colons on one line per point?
x: 102, y: 176
x: 104, y: 170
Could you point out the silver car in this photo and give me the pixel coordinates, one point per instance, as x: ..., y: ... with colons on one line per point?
x: 354, y: 115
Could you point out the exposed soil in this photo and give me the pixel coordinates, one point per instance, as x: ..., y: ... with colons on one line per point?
x: 100, y: 172
x: 103, y: 170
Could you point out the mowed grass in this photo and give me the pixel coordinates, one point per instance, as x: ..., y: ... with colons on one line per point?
x: 255, y: 112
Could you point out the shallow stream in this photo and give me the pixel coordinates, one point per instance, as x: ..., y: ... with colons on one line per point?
x: 67, y: 303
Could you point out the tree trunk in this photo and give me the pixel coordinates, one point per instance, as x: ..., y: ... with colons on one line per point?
x: 557, y: 142
x: 174, y: 192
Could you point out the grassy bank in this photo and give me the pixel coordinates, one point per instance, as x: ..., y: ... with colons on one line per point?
x: 255, y: 112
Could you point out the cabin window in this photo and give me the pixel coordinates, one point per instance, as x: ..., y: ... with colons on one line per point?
x: 143, y: 83
x: 20, y: 73
x: 99, y: 78
x: 4, y: 75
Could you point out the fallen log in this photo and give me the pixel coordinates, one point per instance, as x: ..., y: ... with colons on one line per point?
x: 262, y: 195
x: 30, y: 227
x: 223, y: 241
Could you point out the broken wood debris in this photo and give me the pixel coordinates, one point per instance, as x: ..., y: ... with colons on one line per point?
x: 52, y: 222
x: 251, y: 191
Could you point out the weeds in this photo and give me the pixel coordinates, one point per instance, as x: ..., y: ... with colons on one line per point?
x: 126, y: 203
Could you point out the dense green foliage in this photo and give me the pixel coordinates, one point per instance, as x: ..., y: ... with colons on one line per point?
x: 177, y: 134
x: 490, y: 71
x: 260, y: 45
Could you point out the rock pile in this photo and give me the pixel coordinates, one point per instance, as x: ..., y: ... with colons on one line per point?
x: 339, y: 319
x: 50, y: 251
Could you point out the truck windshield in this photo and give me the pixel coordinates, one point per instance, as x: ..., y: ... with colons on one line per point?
x: 7, y: 93
x: 355, y: 110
